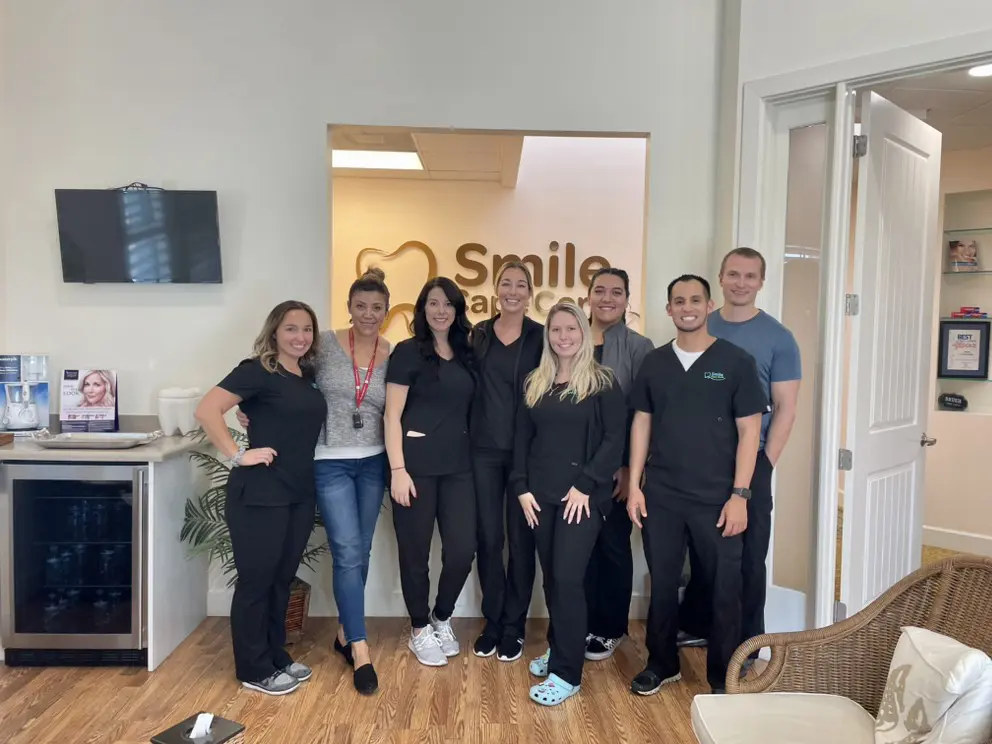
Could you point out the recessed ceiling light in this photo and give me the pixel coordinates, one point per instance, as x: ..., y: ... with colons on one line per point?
x: 376, y: 159
x: 981, y: 71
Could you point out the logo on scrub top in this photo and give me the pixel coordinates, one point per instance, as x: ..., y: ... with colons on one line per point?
x: 718, y: 376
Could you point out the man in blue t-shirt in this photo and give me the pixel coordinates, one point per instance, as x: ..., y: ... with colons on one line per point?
x: 742, y: 275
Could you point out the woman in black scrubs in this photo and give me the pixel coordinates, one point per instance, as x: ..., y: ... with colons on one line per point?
x: 271, y: 500
x: 430, y: 384
x: 569, y: 443
x: 507, y: 348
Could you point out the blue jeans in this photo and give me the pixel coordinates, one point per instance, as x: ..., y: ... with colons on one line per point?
x: 349, y: 495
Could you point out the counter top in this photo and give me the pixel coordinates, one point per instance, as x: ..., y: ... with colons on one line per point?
x: 24, y: 450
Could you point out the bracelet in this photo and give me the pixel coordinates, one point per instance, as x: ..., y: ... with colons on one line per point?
x: 401, y: 467
x: 236, y: 457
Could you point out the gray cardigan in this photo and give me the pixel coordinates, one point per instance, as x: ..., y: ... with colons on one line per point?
x: 623, y: 352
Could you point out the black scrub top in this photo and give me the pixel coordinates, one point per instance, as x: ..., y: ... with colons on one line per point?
x: 286, y: 413
x: 435, y: 418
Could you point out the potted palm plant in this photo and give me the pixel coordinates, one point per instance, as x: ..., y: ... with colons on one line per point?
x: 205, y: 530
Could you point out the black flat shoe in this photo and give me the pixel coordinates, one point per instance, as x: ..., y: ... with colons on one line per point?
x: 345, y: 651
x: 366, y: 680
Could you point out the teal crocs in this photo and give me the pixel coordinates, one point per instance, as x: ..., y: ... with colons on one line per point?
x: 539, y: 666
x: 552, y: 691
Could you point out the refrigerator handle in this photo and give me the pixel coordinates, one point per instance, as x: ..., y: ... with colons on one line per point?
x: 141, y: 550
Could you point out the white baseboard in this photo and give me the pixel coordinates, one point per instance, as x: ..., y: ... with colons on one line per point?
x: 963, y: 542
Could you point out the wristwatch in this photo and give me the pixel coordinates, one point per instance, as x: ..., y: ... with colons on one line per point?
x: 744, y: 493
x: 236, y: 459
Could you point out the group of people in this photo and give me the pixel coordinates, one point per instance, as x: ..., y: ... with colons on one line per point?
x: 553, y: 439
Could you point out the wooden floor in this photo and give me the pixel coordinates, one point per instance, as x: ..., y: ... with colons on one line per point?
x: 472, y: 700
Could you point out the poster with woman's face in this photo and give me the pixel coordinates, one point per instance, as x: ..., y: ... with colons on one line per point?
x: 88, y: 396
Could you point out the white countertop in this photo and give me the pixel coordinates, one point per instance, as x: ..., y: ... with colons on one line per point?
x: 161, y: 449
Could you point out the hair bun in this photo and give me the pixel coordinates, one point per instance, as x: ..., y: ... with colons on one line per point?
x: 374, y: 272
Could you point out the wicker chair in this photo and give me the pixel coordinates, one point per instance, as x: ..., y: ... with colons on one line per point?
x: 851, y: 658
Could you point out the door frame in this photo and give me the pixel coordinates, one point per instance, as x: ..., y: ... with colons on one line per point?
x: 759, y: 213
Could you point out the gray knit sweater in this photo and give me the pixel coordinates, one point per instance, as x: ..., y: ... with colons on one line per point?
x: 336, y: 380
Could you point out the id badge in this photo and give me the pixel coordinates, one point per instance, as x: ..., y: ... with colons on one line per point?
x: 356, y: 420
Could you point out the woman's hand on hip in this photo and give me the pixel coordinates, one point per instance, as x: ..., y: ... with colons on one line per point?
x: 576, y: 503
x: 402, y: 488
x: 258, y: 456
x: 529, y: 504
x: 242, y: 419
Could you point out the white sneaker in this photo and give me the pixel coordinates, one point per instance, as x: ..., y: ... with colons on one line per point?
x: 446, y: 636
x: 426, y: 647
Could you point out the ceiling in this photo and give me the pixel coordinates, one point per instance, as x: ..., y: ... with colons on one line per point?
x: 958, y: 105
x: 446, y: 156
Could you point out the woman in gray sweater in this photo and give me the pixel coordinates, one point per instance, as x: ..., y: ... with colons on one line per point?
x: 350, y: 467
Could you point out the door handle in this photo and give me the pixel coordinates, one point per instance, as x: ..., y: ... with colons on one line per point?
x: 926, y: 441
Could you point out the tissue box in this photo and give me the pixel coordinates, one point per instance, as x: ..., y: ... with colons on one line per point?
x: 221, y: 730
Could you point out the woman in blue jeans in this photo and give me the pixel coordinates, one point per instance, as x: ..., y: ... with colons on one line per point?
x: 350, y: 459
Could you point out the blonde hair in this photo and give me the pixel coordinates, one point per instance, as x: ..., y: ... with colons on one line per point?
x: 588, y: 376
x: 265, y: 349
x: 110, y: 386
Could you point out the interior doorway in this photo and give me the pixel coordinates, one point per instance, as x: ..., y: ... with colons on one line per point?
x: 764, y: 219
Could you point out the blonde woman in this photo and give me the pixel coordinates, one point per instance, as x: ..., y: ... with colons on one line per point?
x: 271, y: 499
x: 98, y: 389
x: 569, y: 442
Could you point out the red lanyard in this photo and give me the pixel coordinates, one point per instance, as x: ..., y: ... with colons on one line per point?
x: 361, y: 388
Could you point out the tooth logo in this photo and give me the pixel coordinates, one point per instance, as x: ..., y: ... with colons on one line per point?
x: 403, y: 310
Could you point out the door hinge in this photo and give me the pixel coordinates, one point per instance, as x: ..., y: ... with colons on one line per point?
x: 860, y: 145
x: 852, y: 304
x: 840, y: 612
x: 845, y: 460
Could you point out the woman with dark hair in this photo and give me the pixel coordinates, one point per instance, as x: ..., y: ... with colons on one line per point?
x: 507, y: 348
x: 270, y: 504
x: 430, y: 385
x: 610, y: 578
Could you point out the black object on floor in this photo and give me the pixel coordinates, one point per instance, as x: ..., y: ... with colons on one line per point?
x: 345, y: 651
x: 221, y: 730
x: 366, y: 680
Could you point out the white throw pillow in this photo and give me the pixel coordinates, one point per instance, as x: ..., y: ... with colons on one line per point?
x: 969, y: 719
x: 929, y: 672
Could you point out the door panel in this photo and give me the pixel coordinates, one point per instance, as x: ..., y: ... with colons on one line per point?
x: 896, y: 230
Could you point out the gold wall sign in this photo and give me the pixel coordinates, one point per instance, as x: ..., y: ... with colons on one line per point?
x: 476, y: 272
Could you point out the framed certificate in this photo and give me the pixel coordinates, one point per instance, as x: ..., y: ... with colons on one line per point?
x: 964, y: 349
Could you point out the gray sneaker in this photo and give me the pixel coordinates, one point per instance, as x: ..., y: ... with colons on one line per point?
x: 299, y: 671
x: 278, y: 683
x: 442, y: 628
x: 427, y: 647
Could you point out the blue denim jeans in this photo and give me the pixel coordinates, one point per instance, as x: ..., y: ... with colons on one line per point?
x: 349, y: 495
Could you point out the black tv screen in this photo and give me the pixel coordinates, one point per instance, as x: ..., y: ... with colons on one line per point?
x: 138, y: 236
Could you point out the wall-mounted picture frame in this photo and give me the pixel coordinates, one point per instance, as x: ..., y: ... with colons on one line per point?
x: 963, y: 352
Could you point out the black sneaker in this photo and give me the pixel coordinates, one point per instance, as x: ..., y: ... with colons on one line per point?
x: 599, y: 649
x: 485, y: 645
x: 648, y: 682
x: 510, y: 649
x: 684, y: 640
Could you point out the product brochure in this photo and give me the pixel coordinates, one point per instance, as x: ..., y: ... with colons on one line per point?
x: 89, y: 401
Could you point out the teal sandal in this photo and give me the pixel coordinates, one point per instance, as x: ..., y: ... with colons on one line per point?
x: 553, y: 691
x: 539, y: 666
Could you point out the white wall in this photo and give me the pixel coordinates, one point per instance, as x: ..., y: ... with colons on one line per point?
x: 236, y: 95
x: 779, y: 36
x: 586, y: 191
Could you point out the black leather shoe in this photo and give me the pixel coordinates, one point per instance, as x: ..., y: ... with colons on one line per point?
x: 366, y: 680
x: 345, y: 651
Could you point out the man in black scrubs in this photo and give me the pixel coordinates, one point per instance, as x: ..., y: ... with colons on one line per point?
x: 698, y: 403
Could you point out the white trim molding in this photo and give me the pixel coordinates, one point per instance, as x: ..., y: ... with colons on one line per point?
x: 962, y: 542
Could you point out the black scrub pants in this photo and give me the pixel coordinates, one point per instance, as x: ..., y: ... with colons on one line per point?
x: 450, y: 501
x: 506, y: 594
x: 610, y: 576
x: 694, y: 615
x: 564, y: 550
x: 268, y: 543
x: 670, y: 521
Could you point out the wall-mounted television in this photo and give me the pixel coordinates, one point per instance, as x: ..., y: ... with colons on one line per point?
x: 138, y: 236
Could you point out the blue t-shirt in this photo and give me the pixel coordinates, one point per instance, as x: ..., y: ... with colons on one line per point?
x: 772, y: 345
